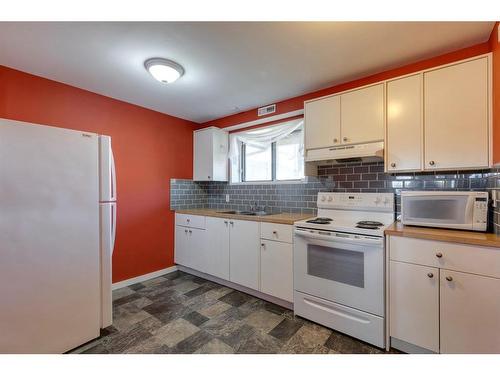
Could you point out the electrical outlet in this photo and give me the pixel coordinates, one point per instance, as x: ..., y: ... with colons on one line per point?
x: 227, y: 198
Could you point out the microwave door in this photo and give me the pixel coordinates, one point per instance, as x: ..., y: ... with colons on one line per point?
x: 447, y: 211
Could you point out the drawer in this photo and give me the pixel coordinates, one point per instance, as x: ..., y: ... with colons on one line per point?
x: 277, y: 232
x: 191, y: 221
x: 453, y: 256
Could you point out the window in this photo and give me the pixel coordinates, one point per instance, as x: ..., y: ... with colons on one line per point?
x: 272, y: 153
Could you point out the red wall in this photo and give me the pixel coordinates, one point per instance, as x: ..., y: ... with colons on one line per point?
x: 296, y: 103
x: 495, y: 48
x: 149, y: 147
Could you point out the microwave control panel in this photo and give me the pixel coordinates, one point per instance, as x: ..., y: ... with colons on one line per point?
x: 480, y: 211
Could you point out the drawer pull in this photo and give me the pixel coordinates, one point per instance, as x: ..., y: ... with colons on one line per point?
x: 190, y: 231
x: 430, y: 275
x: 225, y: 222
x: 439, y: 255
x: 185, y: 230
x: 449, y: 278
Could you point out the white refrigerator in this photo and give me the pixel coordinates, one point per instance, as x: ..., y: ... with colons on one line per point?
x: 57, y: 231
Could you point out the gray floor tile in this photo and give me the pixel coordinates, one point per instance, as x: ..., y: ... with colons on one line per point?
x: 182, y: 313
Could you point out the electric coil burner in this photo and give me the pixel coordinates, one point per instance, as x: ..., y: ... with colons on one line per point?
x: 320, y: 220
x: 368, y: 224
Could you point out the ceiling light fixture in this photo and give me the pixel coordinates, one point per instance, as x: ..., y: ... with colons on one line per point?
x: 163, y: 70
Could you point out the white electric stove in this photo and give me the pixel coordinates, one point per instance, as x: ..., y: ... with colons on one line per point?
x: 339, y: 263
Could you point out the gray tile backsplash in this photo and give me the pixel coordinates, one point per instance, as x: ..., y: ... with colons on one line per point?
x: 300, y: 197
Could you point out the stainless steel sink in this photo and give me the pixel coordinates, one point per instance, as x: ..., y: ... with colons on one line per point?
x: 248, y: 213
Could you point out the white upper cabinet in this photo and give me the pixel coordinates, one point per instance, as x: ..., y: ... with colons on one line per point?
x: 322, y: 118
x: 404, y: 124
x: 456, y: 116
x: 210, y: 155
x: 362, y: 115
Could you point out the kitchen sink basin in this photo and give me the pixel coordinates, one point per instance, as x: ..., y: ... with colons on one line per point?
x: 247, y: 213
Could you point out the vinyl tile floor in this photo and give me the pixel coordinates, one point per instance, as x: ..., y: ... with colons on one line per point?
x: 182, y: 313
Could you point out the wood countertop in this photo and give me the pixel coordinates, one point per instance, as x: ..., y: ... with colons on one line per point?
x: 285, y: 218
x: 448, y: 235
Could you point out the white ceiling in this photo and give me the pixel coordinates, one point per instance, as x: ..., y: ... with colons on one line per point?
x: 230, y: 67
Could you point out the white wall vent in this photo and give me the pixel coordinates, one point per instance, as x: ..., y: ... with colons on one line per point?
x: 262, y: 111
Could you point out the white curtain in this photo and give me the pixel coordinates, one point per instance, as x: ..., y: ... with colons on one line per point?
x: 259, y: 138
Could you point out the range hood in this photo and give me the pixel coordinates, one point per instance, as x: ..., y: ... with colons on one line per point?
x: 373, y: 151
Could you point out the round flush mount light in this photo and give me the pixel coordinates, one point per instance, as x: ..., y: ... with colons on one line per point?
x: 163, y: 70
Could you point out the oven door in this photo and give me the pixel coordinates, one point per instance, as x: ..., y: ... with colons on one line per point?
x: 341, y: 268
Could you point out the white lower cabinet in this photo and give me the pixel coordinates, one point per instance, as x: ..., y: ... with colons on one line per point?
x: 276, y: 269
x: 244, y: 259
x: 256, y: 255
x: 414, y: 307
x: 470, y: 313
x: 216, y: 253
x: 188, y: 245
x: 443, y: 310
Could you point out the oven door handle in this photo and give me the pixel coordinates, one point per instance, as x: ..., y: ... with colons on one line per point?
x: 335, y: 238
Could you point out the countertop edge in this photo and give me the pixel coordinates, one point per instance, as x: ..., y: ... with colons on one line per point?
x: 283, y: 218
x: 446, y: 235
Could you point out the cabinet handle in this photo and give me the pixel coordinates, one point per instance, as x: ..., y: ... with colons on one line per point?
x: 208, y: 177
x: 430, y: 275
x: 432, y: 162
x: 185, y: 230
x: 263, y: 245
x: 393, y: 165
x: 345, y: 139
x: 190, y: 231
x: 335, y: 140
x: 188, y: 220
x: 275, y: 232
x: 449, y: 278
x: 225, y: 222
x: 231, y: 222
x: 439, y: 255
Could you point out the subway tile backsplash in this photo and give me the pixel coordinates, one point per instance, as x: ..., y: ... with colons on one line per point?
x: 300, y: 197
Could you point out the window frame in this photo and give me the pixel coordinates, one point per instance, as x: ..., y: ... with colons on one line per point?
x: 273, y: 179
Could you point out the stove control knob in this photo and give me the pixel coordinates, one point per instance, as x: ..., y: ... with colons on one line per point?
x: 323, y: 198
x: 377, y: 200
x: 387, y: 201
x: 330, y: 198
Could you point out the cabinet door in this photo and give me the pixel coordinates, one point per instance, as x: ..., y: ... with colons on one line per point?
x: 203, y: 156
x: 244, y: 253
x: 181, y: 253
x: 322, y: 122
x: 470, y: 313
x: 276, y: 269
x: 456, y: 116
x: 414, y: 304
x: 362, y: 115
x: 404, y: 124
x: 220, y: 156
x: 217, y: 247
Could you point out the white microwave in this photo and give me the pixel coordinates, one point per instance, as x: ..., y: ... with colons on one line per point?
x: 466, y: 210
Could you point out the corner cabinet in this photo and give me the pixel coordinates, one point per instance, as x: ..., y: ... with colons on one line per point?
x: 440, y: 119
x: 443, y: 297
x: 210, y: 159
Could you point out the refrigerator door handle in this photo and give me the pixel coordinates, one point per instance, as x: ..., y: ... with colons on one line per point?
x: 113, y: 227
x: 113, y: 175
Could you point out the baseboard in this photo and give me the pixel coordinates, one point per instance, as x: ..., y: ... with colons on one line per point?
x: 140, y: 279
x: 241, y: 288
